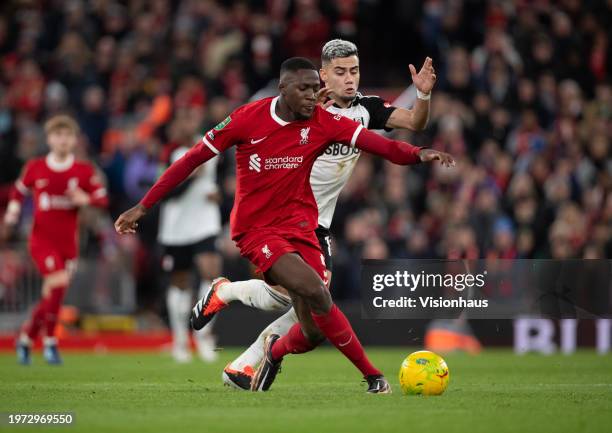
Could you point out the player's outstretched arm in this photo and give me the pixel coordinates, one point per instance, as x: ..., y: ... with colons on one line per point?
x: 399, y: 152
x: 172, y: 177
x: 416, y: 118
x: 20, y: 189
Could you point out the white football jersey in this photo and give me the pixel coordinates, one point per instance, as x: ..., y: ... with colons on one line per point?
x: 333, y: 168
x: 191, y: 217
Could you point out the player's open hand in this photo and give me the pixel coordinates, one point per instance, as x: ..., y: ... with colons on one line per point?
x: 426, y: 78
x: 430, y: 155
x: 78, y: 197
x: 11, y: 216
x: 322, y: 98
x: 128, y: 220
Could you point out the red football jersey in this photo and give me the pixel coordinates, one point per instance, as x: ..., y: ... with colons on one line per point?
x: 274, y: 159
x: 55, y: 217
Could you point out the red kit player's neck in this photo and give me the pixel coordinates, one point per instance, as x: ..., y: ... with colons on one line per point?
x: 275, y: 102
x: 57, y: 164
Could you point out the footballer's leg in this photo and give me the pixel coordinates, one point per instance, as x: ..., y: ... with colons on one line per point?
x: 44, y: 315
x: 54, y: 289
x: 302, y: 337
x: 208, y: 264
x: 178, y: 263
x: 178, y: 303
x: 253, y: 293
x: 239, y: 372
x: 302, y: 281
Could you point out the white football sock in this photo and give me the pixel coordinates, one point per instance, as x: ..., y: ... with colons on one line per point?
x: 178, y: 303
x: 205, y: 340
x: 254, y: 354
x: 254, y: 293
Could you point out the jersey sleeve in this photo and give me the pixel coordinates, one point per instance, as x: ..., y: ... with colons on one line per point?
x: 24, y: 183
x: 227, y: 133
x: 94, y: 186
x: 342, y: 129
x: 178, y: 153
x: 218, y: 139
x: 398, y: 152
x: 379, y: 110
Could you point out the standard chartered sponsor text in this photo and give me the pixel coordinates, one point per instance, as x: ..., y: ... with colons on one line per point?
x: 283, y: 162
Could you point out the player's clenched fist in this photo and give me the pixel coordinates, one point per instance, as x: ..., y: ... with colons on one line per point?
x: 430, y: 155
x: 128, y: 220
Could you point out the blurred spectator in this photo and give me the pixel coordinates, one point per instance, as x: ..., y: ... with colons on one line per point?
x: 307, y: 31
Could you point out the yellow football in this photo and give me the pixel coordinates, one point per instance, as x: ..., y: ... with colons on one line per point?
x: 423, y: 373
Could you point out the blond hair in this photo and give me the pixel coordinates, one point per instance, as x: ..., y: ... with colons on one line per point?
x: 61, y: 121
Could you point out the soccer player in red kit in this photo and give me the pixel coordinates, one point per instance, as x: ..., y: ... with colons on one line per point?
x: 60, y: 186
x: 275, y: 215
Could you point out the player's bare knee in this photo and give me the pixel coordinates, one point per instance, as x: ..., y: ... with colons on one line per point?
x: 320, y: 301
x: 304, y: 287
x: 56, y: 279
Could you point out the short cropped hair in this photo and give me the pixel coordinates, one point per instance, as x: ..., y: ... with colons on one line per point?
x: 294, y: 64
x: 61, y: 121
x: 338, y: 48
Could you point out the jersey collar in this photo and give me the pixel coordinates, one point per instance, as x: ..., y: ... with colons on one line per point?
x: 353, y: 102
x: 277, y: 119
x: 55, y: 165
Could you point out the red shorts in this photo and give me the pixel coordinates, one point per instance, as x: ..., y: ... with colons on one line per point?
x: 49, y: 259
x: 264, y: 247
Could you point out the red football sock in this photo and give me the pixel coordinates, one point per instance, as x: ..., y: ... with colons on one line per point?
x: 338, y: 330
x: 293, y: 342
x: 54, y: 303
x: 37, y: 320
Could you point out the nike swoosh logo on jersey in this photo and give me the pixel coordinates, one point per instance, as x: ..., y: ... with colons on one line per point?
x: 257, y: 141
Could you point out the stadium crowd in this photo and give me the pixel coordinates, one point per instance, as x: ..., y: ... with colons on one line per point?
x: 523, y: 101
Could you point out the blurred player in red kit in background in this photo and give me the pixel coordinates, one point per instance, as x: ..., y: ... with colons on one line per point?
x: 60, y: 187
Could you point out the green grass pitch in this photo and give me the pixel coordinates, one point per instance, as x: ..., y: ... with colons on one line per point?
x: 317, y: 392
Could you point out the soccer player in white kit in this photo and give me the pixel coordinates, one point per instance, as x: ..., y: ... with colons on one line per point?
x: 189, y: 224
x: 331, y: 171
